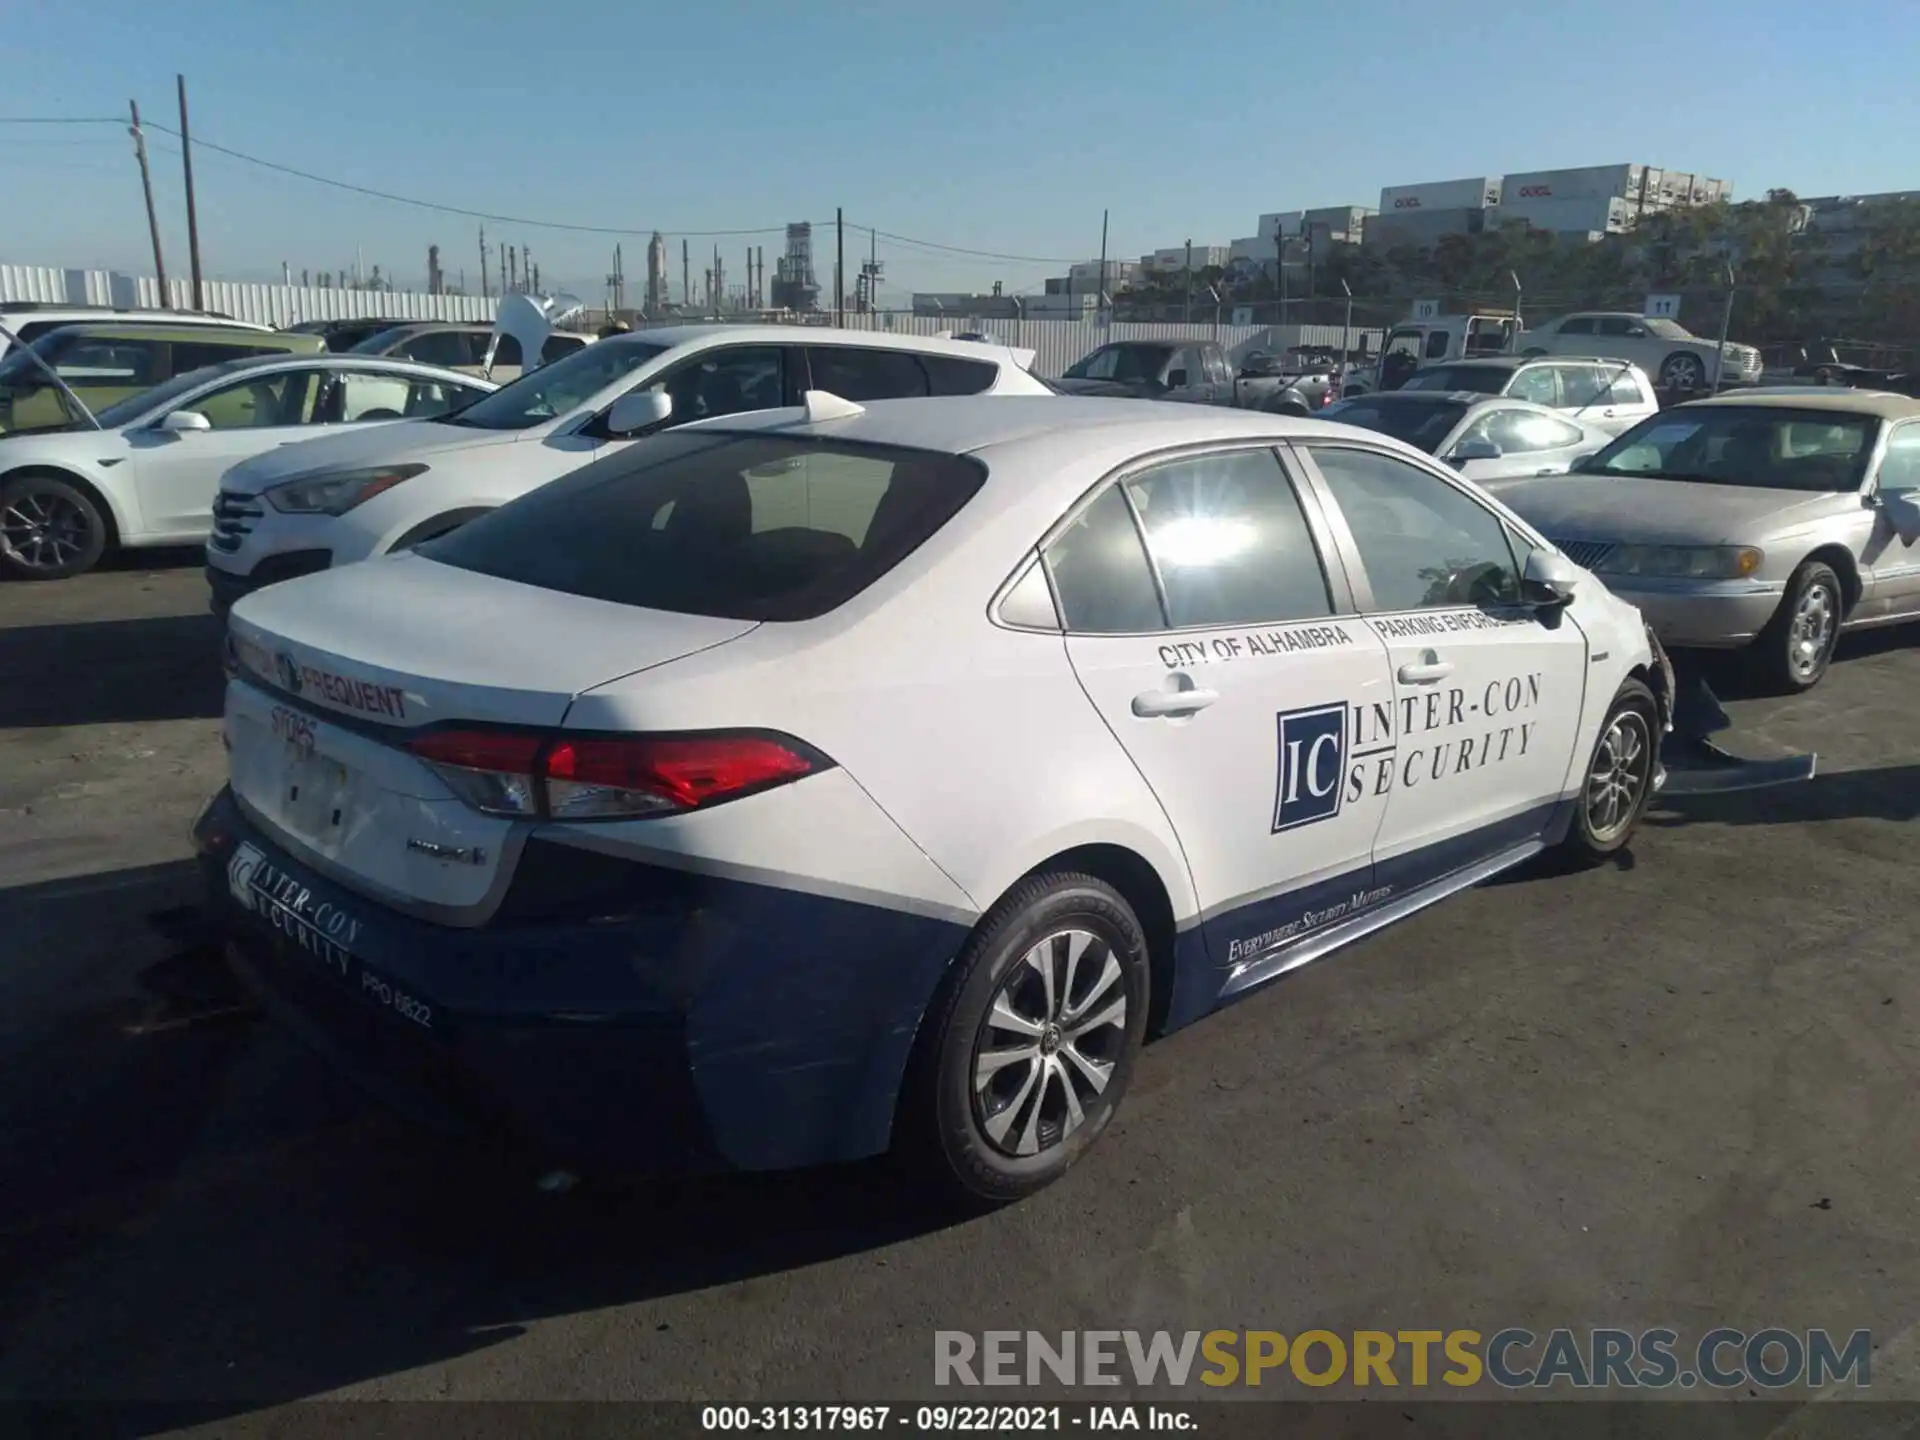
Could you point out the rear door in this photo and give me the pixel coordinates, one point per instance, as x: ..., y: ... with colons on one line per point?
x: 1487, y: 692
x: 1210, y: 625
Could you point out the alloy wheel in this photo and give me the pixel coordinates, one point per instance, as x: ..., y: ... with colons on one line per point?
x: 1046, y: 1050
x: 1810, y: 634
x: 1617, y: 780
x: 43, y: 530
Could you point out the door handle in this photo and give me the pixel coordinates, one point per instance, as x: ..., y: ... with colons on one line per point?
x: 1550, y: 470
x: 1154, y: 704
x: 1426, y: 672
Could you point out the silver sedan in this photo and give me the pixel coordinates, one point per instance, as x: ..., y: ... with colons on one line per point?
x: 1764, y: 520
x: 1493, y: 440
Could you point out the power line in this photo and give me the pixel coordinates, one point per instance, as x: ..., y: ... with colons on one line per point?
x: 961, y: 249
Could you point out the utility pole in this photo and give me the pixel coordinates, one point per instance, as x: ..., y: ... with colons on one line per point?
x: 513, y: 269
x: 193, y: 214
x: 526, y: 268
x: 1346, y: 342
x: 483, y: 263
x: 686, y: 276
x: 506, y: 255
x: 1726, y: 324
x: 839, y: 266
x: 1280, y: 266
x: 1100, y: 292
x: 1186, y: 313
x: 153, y: 220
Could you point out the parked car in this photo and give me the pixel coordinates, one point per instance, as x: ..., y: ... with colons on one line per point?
x: 1489, y: 439
x: 340, y: 500
x: 107, y: 363
x: 1611, y: 396
x: 464, y: 347
x: 341, y: 335
x: 1196, y: 372
x: 30, y: 319
x: 1678, y: 359
x: 801, y: 785
x: 1766, y: 522
x: 1297, y: 381
x: 148, y: 475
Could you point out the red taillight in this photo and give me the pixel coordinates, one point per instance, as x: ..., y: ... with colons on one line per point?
x: 567, y: 777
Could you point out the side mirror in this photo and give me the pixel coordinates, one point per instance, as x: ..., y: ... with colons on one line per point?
x: 185, y: 422
x: 1176, y: 379
x: 1548, y: 578
x: 1475, y: 448
x: 638, y: 410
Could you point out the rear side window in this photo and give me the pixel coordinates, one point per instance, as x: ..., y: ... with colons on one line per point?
x: 507, y: 354
x: 559, y: 345
x: 746, y: 527
x: 855, y: 374
x: 1100, y: 572
x: 446, y: 348
x: 192, y: 357
x: 1578, y: 325
x: 951, y: 376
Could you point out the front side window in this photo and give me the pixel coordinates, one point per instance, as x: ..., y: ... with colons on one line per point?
x: 1620, y: 328
x: 1099, y: 570
x: 376, y: 395
x: 262, y: 402
x: 745, y: 527
x: 1228, y: 538
x: 856, y: 374
x: 1900, y: 466
x: 1421, y: 423
x: 1424, y: 544
x: 1577, y: 325
x: 1764, y: 446
x: 195, y: 356
x: 727, y: 381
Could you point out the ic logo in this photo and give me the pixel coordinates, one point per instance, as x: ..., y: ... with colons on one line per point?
x: 289, y: 672
x: 1313, y: 751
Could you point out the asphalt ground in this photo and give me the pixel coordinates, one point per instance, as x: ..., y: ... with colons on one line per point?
x: 1678, y: 1090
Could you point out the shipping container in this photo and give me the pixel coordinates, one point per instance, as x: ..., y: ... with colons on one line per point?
x: 1597, y: 212
x: 1475, y: 193
x: 1420, y: 229
x: 1587, y: 182
x: 1287, y: 220
x: 1338, y: 219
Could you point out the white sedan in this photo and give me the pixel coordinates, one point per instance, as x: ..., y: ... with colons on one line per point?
x: 1491, y: 439
x: 148, y: 475
x: 801, y: 785
x: 333, y: 504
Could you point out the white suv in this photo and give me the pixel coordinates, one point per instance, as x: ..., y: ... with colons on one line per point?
x: 1611, y: 396
x: 30, y: 319
x: 309, y: 507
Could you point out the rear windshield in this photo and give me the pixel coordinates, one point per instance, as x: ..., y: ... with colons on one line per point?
x: 1480, y: 379
x: 1420, y: 423
x: 743, y: 527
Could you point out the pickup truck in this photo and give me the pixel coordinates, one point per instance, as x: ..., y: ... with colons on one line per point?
x: 1197, y: 372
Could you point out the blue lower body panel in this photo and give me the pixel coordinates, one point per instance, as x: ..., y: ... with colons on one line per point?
x: 613, y: 1016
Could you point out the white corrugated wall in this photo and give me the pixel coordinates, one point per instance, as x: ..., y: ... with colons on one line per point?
x: 243, y: 300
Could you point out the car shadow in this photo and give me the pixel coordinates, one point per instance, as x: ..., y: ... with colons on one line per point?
x: 1885, y: 792
x: 194, y: 1210
x: 164, y: 667
x: 1733, y: 677
x: 162, y: 557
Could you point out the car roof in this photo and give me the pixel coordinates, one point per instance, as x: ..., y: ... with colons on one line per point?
x: 1881, y: 404
x: 673, y: 335
x: 41, y: 308
x: 334, y: 360
x: 969, y: 424
x: 195, y: 334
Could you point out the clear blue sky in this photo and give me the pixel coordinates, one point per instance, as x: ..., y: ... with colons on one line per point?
x: 988, y: 126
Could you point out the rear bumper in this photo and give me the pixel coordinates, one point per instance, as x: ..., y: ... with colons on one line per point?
x: 677, y: 1036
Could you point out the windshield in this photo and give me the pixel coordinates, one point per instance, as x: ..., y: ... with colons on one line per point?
x: 746, y: 527
x: 1125, y: 363
x: 553, y: 390
x: 1764, y: 447
x: 1480, y: 379
x: 1423, y: 424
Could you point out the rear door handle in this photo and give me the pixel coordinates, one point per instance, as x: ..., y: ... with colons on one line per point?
x: 1425, y: 673
x: 1153, y: 704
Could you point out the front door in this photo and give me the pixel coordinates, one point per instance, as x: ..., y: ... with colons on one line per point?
x: 1487, y: 693
x: 1893, y: 559
x: 177, y: 474
x: 1203, y: 626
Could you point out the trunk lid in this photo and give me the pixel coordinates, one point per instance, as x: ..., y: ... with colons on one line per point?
x: 335, y: 670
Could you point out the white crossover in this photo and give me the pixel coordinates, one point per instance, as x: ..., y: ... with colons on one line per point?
x: 801, y: 785
x: 148, y: 474
x: 333, y: 504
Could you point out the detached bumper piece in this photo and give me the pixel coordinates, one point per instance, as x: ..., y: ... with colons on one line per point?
x: 1686, y: 776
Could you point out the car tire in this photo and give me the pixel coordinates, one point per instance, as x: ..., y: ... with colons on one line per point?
x: 1793, y: 652
x: 49, y: 529
x: 986, y: 1129
x: 1617, y: 782
x: 1682, y: 371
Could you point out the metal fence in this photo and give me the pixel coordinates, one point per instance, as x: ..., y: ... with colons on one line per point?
x: 262, y: 304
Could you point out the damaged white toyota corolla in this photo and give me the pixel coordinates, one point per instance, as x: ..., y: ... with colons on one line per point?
x: 800, y: 785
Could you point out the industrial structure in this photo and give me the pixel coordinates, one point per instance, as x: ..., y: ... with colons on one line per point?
x: 794, y: 285
x: 656, y: 275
